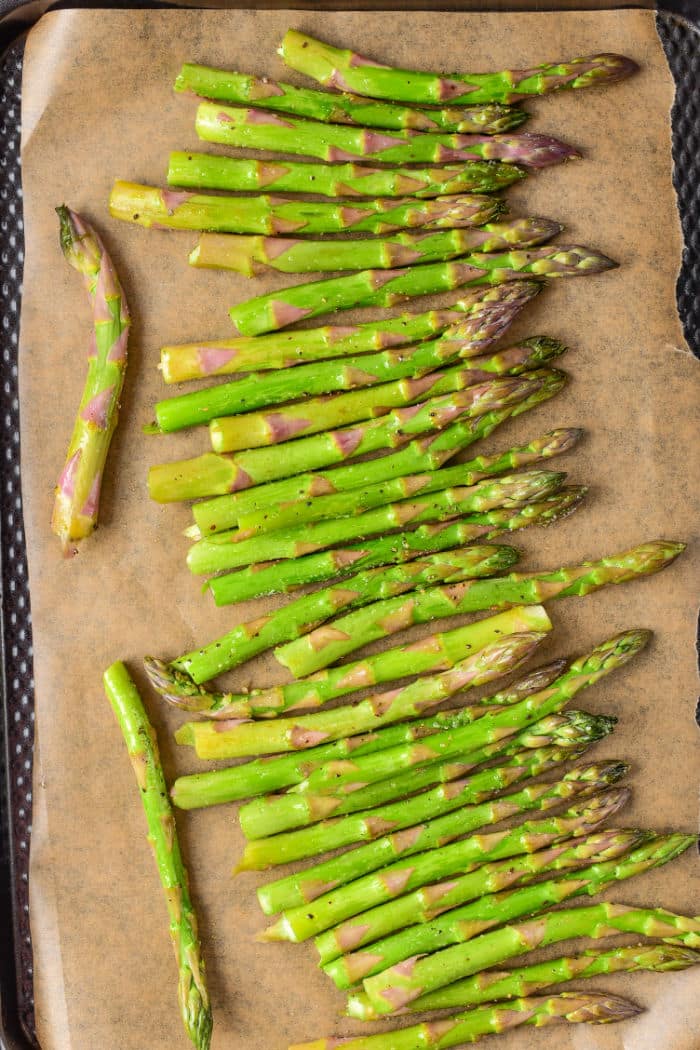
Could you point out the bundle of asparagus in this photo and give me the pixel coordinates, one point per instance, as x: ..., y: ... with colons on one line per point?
x: 428, y: 896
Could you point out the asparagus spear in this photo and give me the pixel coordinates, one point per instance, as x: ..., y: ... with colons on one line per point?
x: 255, y: 778
x: 231, y: 739
x: 395, y: 988
x: 572, y: 1007
x: 252, y: 256
x: 215, y: 475
x: 240, y: 88
x: 348, y: 71
x: 206, y: 171
x: 426, y: 453
x: 437, y: 652
x: 256, y: 429
x: 351, y: 374
x: 272, y: 814
x: 525, y: 980
x: 491, y: 310
x: 398, y: 547
x: 487, y: 882
x: 142, y: 746
x: 255, y: 636
x: 269, y: 313
x: 325, y: 645
x: 403, y: 876
x: 422, y: 905
x: 357, y: 501
x: 77, y: 494
x: 462, y: 924
x: 297, y: 890
x: 256, y: 129
x: 182, y: 210
x: 229, y: 550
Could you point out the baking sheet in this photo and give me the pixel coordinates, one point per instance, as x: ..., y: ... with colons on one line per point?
x: 97, y: 105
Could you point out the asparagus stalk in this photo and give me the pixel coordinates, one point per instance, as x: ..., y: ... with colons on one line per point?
x: 256, y: 429
x: 464, y: 923
x: 142, y: 746
x: 402, y: 877
x: 395, y: 988
x: 252, y: 256
x: 257, y: 391
x: 255, y: 636
x: 256, y: 129
x: 231, y: 739
x: 229, y: 550
x: 398, y: 547
x: 150, y: 206
x: 269, y: 313
x: 375, y: 805
x: 437, y: 652
x: 255, y: 778
x: 526, y: 980
x: 426, y: 453
x: 77, y: 494
x: 206, y: 171
x: 216, y: 475
x: 300, y: 889
x: 326, y: 645
x: 490, y: 309
x: 489, y: 882
x: 240, y: 88
x: 572, y: 1007
x: 357, y: 501
x: 348, y: 71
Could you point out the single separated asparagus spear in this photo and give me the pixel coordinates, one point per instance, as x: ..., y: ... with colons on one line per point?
x: 464, y: 923
x: 491, y: 311
x: 422, y: 905
x: 256, y: 129
x: 213, y: 474
x: 326, y: 645
x: 256, y: 778
x: 252, y: 637
x: 256, y: 391
x: 257, y: 429
x: 142, y: 746
x: 348, y: 71
x: 426, y: 453
x: 229, y: 550
x: 525, y: 980
x: 77, y: 494
x: 458, y: 1029
x: 396, y: 987
x: 182, y: 210
x: 228, y: 739
x: 264, y: 93
x: 252, y: 256
x: 269, y: 313
x: 206, y: 171
x: 433, y: 898
x: 301, y: 810
x: 260, y: 579
x: 357, y: 501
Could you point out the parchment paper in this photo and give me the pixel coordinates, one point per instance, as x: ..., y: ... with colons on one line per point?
x: 98, y: 105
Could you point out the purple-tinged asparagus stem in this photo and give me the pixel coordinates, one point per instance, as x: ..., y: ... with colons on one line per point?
x: 348, y: 71
x: 77, y: 496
